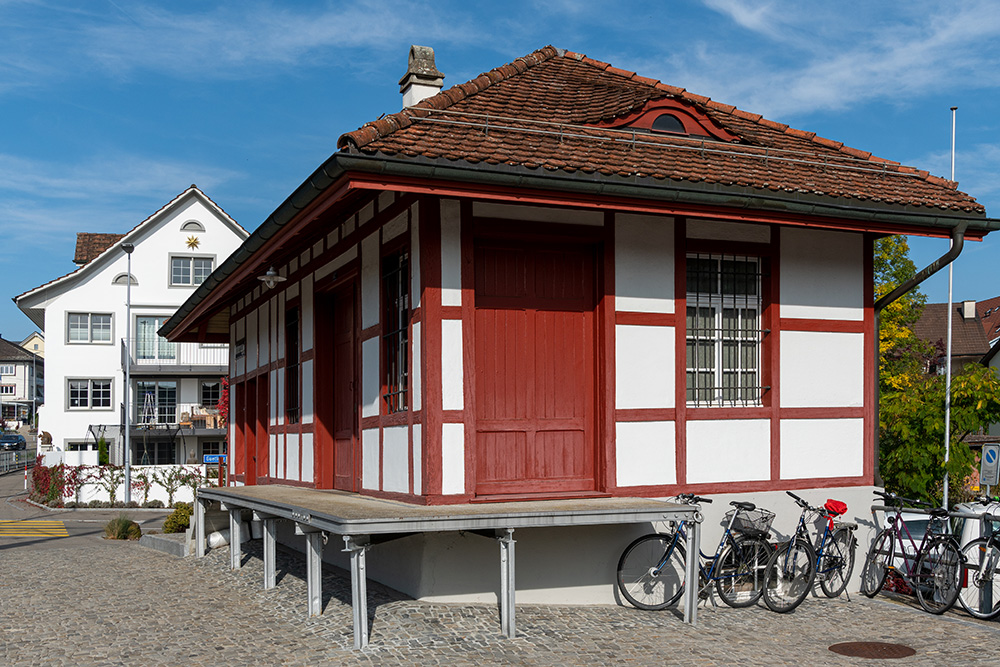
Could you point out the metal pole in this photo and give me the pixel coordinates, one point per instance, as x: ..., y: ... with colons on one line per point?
x: 947, y: 381
x: 128, y: 248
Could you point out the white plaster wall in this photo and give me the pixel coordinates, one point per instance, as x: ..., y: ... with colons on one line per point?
x: 308, y: 311
x: 452, y: 458
x: 308, y: 471
x: 721, y: 230
x: 394, y: 227
x: 822, y: 274
x: 280, y: 459
x: 416, y: 384
x: 369, y: 458
x: 264, y: 333
x: 538, y: 213
x: 396, y: 459
x: 451, y: 253
x: 417, y: 459
x: 452, y: 373
x: 820, y: 369
x: 644, y: 367
x: 307, y: 393
x: 728, y: 450
x: 644, y: 453
x: 339, y: 261
x: 292, y: 457
x: 369, y: 377
x: 812, y: 448
x: 370, y: 262
x: 644, y: 263
x: 253, y: 361
x: 274, y: 448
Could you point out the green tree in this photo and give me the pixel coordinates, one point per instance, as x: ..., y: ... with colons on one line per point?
x: 902, y: 355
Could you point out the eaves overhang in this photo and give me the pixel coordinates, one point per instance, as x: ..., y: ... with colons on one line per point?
x: 352, y: 171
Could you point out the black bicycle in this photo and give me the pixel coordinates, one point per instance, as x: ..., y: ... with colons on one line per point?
x: 651, y: 569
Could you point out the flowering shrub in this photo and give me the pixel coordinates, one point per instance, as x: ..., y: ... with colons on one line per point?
x: 172, y: 479
x: 50, y: 485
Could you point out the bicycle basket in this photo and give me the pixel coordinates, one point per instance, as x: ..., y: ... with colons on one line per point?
x: 752, y: 521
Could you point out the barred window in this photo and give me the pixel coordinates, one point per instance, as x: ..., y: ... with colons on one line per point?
x: 724, y: 310
x: 395, y: 336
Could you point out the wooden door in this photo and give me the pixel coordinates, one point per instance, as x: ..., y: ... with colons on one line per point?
x: 250, y: 431
x: 263, y: 440
x: 336, y: 395
x: 534, y: 369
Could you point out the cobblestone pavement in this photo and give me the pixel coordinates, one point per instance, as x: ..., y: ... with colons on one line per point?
x: 117, y: 603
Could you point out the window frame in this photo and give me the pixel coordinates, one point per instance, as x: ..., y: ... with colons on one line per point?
x: 8, y: 369
x: 218, y: 393
x: 190, y: 259
x: 90, y: 394
x: 139, y: 401
x: 5, y: 387
x: 90, y: 328
x: 293, y: 362
x: 739, y: 395
x: 394, y: 339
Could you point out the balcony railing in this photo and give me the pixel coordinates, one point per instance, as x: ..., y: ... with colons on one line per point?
x: 159, y: 352
x: 174, y: 415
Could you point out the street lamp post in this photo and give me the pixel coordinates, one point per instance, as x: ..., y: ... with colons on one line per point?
x: 128, y: 248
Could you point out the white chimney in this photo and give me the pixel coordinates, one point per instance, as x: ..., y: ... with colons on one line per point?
x: 968, y: 310
x: 422, y: 78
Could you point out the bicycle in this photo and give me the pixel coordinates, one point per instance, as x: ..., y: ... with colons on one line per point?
x: 933, y: 570
x: 794, y: 566
x: 980, y: 593
x: 651, y: 569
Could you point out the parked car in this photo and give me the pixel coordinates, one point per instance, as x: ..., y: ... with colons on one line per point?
x: 12, y: 441
x: 968, y: 529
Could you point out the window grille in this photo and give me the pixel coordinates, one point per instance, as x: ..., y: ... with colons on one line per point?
x: 395, y: 339
x: 724, y: 335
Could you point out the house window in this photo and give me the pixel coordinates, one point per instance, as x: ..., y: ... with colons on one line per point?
x: 292, y: 365
x: 210, y: 393
x: 89, y: 394
x: 395, y: 336
x: 724, y: 334
x: 190, y: 270
x: 212, y: 448
x: 149, y: 345
x: 7, y: 369
x: 8, y: 389
x: 89, y: 328
x: 149, y: 452
x: 156, y: 402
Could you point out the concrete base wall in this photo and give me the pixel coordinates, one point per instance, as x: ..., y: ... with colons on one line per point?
x: 571, y: 565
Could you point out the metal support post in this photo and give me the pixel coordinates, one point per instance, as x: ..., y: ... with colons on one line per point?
x: 356, y: 546
x: 270, y: 547
x: 235, y: 538
x: 506, y: 540
x: 691, y: 571
x: 314, y: 572
x: 199, y: 528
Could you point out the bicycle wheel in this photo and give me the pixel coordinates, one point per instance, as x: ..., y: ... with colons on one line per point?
x: 739, y: 575
x: 980, y: 594
x: 651, y: 571
x: 789, y: 576
x: 836, y: 564
x: 939, y: 572
x: 877, y: 563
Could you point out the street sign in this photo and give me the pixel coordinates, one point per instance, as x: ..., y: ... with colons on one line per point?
x: 214, y: 458
x: 989, y: 465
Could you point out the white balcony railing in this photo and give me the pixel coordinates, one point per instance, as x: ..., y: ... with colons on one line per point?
x: 159, y: 352
x: 184, y: 415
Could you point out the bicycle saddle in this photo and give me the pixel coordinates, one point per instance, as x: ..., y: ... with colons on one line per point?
x: 747, y: 507
x: 939, y: 512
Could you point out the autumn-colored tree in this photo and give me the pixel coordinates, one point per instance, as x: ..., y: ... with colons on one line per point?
x: 911, y: 402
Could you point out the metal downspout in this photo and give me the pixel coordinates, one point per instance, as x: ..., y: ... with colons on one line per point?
x: 957, y: 243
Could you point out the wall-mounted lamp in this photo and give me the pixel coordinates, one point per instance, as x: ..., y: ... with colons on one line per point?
x: 271, y: 278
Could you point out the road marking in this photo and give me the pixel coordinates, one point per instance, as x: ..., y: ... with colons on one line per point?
x: 33, y: 529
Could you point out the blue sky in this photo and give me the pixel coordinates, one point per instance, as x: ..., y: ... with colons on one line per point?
x: 110, y: 108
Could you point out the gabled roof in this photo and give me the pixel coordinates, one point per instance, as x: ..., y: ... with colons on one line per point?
x: 13, y: 352
x: 95, y: 240
x: 89, y: 246
x: 543, y: 111
x: 989, y: 312
x: 967, y: 336
x: 558, y: 127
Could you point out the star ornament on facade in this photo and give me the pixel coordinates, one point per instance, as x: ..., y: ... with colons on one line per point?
x: 193, y: 242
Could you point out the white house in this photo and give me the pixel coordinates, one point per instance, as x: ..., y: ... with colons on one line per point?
x: 175, y: 388
x: 22, y: 382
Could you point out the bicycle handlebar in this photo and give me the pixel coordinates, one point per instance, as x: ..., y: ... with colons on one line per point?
x: 691, y: 498
x: 893, y: 499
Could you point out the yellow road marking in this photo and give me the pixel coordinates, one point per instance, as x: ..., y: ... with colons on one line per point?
x: 33, y: 529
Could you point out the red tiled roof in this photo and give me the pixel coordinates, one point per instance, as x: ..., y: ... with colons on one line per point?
x: 989, y: 312
x: 538, y: 112
x: 89, y: 246
x: 967, y: 336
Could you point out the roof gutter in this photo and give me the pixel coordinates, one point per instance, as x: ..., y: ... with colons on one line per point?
x: 957, y: 243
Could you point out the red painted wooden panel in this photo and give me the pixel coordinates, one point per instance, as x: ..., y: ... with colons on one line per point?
x: 344, y: 402
x: 250, y: 434
x: 263, y: 444
x: 534, y: 369
x: 239, y: 448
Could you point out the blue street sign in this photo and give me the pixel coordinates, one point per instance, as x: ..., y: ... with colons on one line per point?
x: 989, y: 470
x: 214, y: 458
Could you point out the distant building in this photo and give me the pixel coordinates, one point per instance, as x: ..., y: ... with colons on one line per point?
x: 34, y: 343
x: 175, y: 388
x: 22, y: 382
x: 968, y: 338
